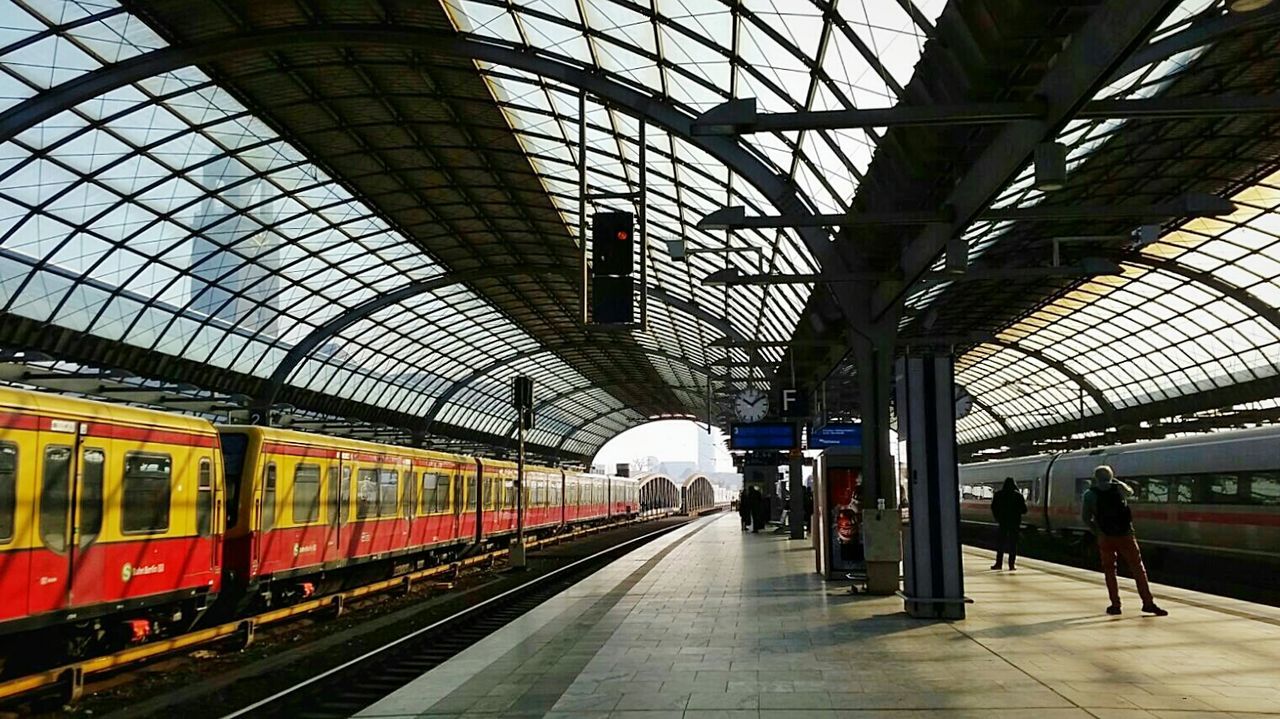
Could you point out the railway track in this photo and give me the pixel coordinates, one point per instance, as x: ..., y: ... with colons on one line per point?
x: 350, y: 687
x: 66, y: 683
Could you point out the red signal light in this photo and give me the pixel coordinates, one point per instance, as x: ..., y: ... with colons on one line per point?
x: 623, y: 235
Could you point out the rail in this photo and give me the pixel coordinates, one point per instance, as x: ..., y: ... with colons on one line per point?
x: 69, y: 678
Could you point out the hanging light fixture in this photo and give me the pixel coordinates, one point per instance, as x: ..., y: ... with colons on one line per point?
x: 1246, y: 5
x: 1051, y: 166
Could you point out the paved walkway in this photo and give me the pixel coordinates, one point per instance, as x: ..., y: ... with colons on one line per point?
x: 709, y: 623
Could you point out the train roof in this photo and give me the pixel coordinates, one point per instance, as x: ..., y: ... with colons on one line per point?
x: 293, y: 436
x: 1259, y: 433
x: 87, y: 409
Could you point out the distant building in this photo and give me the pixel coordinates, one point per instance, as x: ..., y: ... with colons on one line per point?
x: 233, y: 259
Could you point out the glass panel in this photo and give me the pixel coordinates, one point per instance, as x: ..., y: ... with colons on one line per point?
x: 204, y: 500
x: 89, y: 524
x: 388, y: 486
x: 306, y: 494
x: 269, y: 497
x: 147, y: 493
x: 1264, y: 488
x: 366, y: 493
x: 8, y: 489
x: 53, y: 497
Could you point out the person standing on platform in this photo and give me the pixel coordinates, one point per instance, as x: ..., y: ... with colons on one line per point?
x: 1106, y: 511
x: 744, y: 509
x: 759, y: 508
x: 1008, y: 506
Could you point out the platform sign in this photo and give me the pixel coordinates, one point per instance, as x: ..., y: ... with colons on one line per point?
x: 764, y: 435
x: 833, y: 434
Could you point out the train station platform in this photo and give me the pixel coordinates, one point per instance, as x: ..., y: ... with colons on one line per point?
x: 711, y: 623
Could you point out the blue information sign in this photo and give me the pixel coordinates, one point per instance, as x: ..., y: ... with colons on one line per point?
x: 764, y: 435
x: 847, y: 434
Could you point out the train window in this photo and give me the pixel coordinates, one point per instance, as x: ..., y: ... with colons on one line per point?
x: 366, y: 493
x: 306, y: 493
x: 204, y: 499
x: 1222, y: 489
x: 233, y: 449
x: 1156, y: 490
x: 53, y: 497
x: 472, y: 490
x: 1264, y: 488
x: 430, y: 486
x: 269, y: 497
x: 509, y: 494
x: 409, y: 499
x: 89, y: 523
x: 337, y: 489
x: 8, y: 489
x: 388, y: 488
x: 1185, y: 490
x: 147, y: 493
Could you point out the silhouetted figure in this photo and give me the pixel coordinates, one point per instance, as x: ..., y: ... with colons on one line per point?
x: 1105, y: 508
x: 744, y: 509
x: 1008, y: 506
x: 757, y: 508
x: 808, y: 507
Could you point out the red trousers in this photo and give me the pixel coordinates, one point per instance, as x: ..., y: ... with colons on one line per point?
x: 1125, y: 546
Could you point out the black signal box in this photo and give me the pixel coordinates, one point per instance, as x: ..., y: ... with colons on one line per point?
x: 612, y: 243
x: 611, y: 300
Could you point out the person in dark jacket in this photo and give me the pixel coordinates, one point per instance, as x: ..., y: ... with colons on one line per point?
x: 744, y: 510
x: 1105, y: 510
x: 759, y: 508
x: 1008, y: 506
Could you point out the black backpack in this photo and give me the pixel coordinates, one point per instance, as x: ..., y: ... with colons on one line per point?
x: 1113, y: 515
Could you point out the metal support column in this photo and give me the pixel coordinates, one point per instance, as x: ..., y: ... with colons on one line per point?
x: 643, y: 216
x: 881, y: 518
x: 796, y: 515
x: 934, y: 586
x: 517, y: 549
x: 582, y: 203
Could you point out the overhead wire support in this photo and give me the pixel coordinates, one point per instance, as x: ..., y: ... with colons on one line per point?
x: 582, y: 203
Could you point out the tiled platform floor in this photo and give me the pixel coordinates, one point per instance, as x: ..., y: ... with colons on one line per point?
x: 711, y: 623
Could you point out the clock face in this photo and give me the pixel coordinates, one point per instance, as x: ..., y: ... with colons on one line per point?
x: 751, y: 405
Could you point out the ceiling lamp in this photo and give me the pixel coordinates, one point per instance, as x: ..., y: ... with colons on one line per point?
x: 1246, y: 5
x: 1051, y: 166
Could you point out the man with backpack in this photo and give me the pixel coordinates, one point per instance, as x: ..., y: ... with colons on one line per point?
x: 1106, y: 511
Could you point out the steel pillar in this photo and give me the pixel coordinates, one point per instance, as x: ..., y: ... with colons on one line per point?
x: 934, y: 575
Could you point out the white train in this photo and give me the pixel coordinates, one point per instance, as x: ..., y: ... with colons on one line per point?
x: 1216, y: 494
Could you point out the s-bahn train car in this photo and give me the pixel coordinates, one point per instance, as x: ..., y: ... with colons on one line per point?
x: 113, y: 519
x: 302, y: 506
x: 110, y: 518
x: 1216, y: 495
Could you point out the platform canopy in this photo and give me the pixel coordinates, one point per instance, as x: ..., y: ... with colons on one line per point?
x: 364, y: 216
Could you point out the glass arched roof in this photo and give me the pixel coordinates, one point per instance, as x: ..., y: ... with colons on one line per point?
x: 170, y: 216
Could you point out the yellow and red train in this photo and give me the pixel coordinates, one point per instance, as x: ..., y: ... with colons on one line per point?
x: 118, y: 524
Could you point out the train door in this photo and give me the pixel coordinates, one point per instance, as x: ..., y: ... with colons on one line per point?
x: 87, y: 560
x: 339, y: 493
x: 50, y: 567
x: 208, y: 509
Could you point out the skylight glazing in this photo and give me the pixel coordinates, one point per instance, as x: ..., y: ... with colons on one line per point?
x: 166, y: 216
x: 695, y: 54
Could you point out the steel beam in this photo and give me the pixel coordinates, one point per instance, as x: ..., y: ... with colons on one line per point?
x: 1099, y: 399
x: 334, y: 325
x: 452, y: 390
x: 1113, y: 32
x: 1189, y: 205
x: 1265, y: 312
x: 738, y: 117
